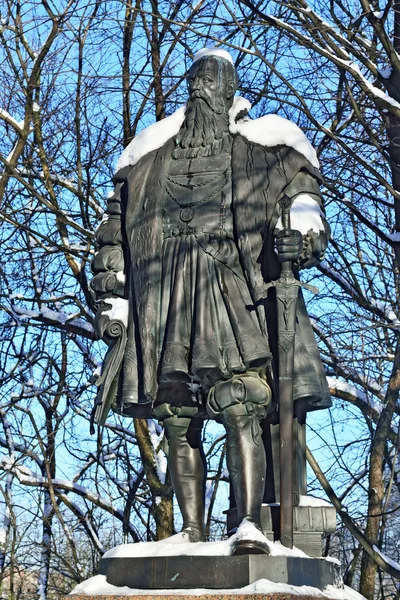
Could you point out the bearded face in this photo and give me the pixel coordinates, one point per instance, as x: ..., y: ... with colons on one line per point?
x: 206, y: 119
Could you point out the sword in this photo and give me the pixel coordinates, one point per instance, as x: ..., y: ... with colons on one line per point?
x: 287, y: 291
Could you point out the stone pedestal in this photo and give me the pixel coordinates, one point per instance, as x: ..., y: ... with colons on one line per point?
x: 275, y: 596
x: 310, y: 523
x: 218, y: 572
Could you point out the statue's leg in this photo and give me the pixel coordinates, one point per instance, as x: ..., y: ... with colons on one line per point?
x: 246, y: 463
x: 240, y: 404
x: 187, y: 467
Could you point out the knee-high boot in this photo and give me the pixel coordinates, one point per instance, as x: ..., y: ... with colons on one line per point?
x: 187, y: 467
x: 246, y: 462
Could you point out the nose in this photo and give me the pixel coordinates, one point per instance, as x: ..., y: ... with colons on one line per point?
x: 195, y: 84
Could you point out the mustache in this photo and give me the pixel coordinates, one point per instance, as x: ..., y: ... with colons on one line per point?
x: 218, y: 107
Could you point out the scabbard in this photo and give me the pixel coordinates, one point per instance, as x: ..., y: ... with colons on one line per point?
x: 286, y: 296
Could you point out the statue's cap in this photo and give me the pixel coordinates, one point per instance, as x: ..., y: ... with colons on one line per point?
x: 213, y: 52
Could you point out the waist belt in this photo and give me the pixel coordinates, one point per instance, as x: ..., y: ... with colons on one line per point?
x: 170, y: 231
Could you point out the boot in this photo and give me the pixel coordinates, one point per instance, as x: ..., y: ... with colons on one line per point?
x: 187, y: 467
x: 246, y: 462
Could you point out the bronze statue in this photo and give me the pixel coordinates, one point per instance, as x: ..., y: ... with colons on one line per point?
x: 191, y: 240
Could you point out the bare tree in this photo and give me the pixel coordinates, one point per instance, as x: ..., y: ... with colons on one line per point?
x: 77, y: 83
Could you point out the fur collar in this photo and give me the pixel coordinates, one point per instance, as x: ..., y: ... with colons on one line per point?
x: 270, y: 130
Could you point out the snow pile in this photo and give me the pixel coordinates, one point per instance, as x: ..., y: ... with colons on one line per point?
x: 98, y: 586
x: 213, y: 52
x: 305, y: 215
x: 118, y: 311
x: 178, y: 545
x: 270, y: 130
x: 313, y: 501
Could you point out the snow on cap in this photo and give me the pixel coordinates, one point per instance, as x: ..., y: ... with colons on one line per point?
x: 213, y: 52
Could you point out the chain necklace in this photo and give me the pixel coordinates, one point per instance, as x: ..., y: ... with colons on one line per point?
x: 194, y: 185
x: 202, y: 200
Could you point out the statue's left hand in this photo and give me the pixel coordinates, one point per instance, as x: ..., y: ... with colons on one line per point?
x: 289, y: 244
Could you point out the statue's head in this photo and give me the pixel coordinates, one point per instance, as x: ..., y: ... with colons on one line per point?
x: 212, y: 83
x: 213, y: 78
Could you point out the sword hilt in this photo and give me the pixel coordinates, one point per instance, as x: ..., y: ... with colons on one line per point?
x: 286, y: 204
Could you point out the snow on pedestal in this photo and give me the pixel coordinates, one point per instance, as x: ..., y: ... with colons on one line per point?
x: 178, y: 545
x: 98, y: 586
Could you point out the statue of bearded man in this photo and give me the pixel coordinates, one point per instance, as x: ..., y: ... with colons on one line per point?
x: 190, y: 239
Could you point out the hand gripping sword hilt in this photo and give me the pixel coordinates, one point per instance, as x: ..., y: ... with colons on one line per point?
x: 287, y: 277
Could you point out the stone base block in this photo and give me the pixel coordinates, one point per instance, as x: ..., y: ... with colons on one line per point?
x: 276, y: 596
x: 218, y: 572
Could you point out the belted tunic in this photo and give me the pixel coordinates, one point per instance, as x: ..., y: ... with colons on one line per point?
x: 207, y: 333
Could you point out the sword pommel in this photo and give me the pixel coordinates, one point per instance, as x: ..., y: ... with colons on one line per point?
x: 286, y: 204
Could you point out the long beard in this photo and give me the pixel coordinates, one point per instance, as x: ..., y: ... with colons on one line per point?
x: 205, y: 130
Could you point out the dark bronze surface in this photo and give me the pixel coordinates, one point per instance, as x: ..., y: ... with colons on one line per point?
x: 192, y: 226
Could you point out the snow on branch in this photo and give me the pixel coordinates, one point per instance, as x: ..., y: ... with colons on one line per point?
x: 59, y: 319
x: 27, y: 477
x: 17, y: 125
x: 383, y: 310
x: 348, y: 390
x: 156, y: 437
x: 337, y: 56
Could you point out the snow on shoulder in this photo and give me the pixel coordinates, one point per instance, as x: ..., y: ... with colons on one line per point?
x: 270, y: 130
x: 273, y: 130
x: 151, y: 138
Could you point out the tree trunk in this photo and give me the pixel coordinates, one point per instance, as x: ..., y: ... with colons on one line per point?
x: 45, y: 556
x: 156, y: 64
x: 376, y: 480
x: 161, y: 493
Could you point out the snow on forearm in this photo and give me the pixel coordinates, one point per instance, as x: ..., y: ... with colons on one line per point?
x: 119, y: 310
x: 305, y: 215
